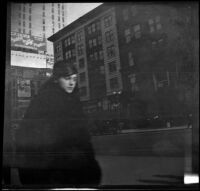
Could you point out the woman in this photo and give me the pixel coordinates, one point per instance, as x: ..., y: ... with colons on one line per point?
x: 54, y: 142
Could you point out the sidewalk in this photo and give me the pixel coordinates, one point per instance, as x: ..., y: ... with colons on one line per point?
x: 131, y: 170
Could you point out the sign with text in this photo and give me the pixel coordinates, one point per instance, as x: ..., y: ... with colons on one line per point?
x: 23, y: 88
x: 28, y: 41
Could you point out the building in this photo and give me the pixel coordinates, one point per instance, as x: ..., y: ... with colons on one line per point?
x: 128, y: 57
x: 31, y: 53
x: 38, y: 19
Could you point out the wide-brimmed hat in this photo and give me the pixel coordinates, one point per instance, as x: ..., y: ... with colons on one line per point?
x: 61, y: 69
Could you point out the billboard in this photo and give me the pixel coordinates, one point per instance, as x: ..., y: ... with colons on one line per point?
x: 28, y: 41
x: 23, y: 88
x: 50, y: 61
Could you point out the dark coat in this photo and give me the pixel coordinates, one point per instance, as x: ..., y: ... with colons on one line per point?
x: 54, y: 136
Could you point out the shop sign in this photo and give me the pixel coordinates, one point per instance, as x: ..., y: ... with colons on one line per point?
x: 28, y: 41
x: 23, y: 88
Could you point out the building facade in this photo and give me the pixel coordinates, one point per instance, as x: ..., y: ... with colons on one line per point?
x: 38, y: 19
x: 126, y: 55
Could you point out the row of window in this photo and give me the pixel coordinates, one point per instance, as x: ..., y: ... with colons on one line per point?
x: 94, y: 27
x: 69, y: 40
x: 70, y: 53
x: 94, y: 42
x: 80, y: 49
x: 154, y: 24
x: 109, y: 36
x: 96, y: 56
x: 126, y: 15
x: 112, y: 67
x: 80, y: 36
x: 97, y: 26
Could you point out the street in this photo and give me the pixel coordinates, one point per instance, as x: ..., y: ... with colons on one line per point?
x: 133, y: 170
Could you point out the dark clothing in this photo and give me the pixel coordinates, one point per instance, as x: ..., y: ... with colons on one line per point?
x: 55, y: 141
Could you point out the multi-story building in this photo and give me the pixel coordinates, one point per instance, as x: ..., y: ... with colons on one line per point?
x: 38, y: 19
x: 125, y: 52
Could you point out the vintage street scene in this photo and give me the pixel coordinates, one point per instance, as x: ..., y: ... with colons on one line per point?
x: 101, y: 94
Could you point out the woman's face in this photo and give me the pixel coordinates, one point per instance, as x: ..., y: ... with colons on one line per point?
x: 68, y: 83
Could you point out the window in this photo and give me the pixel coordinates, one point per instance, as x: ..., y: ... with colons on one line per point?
x: 82, y: 77
x: 52, y: 10
x: 43, y: 7
x: 23, y: 16
x: 24, y: 23
x: 91, y: 57
x: 125, y: 14
x: 110, y: 51
x: 59, y: 25
x: 95, y: 56
x: 19, y: 15
x: 89, y: 30
x: 29, y: 10
x: 80, y: 49
x: 133, y: 10
x: 67, y: 55
x: 151, y: 25
x: 93, y: 27
x: 80, y: 36
x: 83, y: 91
x: 101, y: 54
x: 102, y: 70
x: 53, y: 30
x: 52, y: 16
x: 24, y: 31
x: 73, y: 53
x: 127, y: 34
x: 58, y: 48
x: 112, y: 67
x: 29, y: 25
x: 158, y: 25
x: 29, y: 18
x: 98, y: 24
x: 114, y: 83
x: 90, y: 43
x: 43, y: 28
x: 137, y: 31
x: 24, y: 8
x: 99, y: 40
x: 43, y: 14
x: 19, y: 23
x: 19, y: 30
x: 58, y: 18
x: 63, y: 20
x: 73, y: 39
x: 94, y: 42
x: 20, y: 7
x: 109, y: 36
x: 59, y: 11
x: 130, y: 58
x: 43, y: 21
x: 81, y: 63
x: 62, y: 7
x: 108, y: 21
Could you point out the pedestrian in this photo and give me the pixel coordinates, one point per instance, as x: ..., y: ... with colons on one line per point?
x: 53, y: 144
